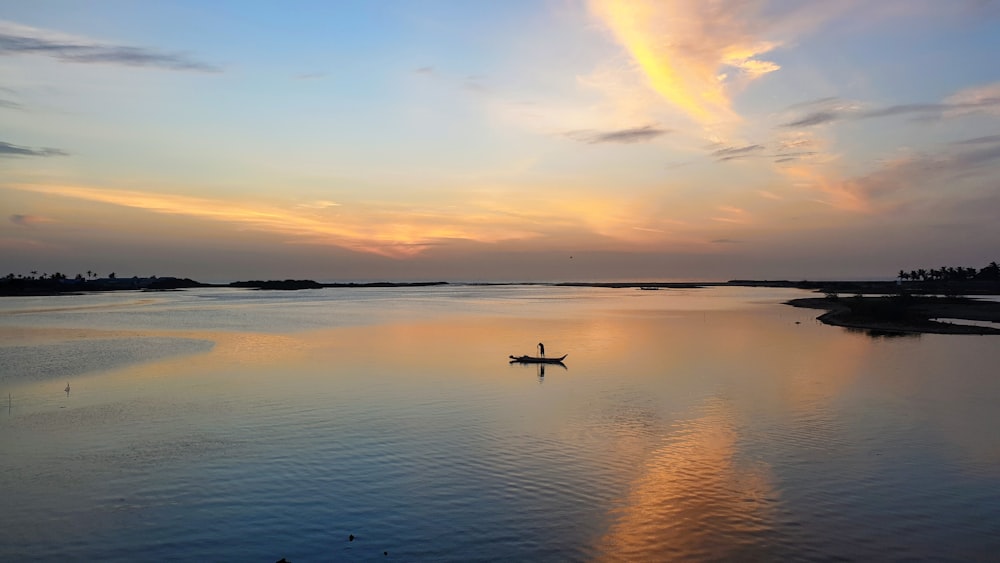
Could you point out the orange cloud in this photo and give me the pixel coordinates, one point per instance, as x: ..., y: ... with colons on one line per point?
x: 28, y: 220
x: 393, y: 230
x: 732, y: 215
x: 384, y: 230
x: 685, y: 48
x: 838, y: 193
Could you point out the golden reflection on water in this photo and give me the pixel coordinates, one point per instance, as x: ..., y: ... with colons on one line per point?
x: 693, y: 500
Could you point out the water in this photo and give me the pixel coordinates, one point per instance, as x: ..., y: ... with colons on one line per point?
x: 713, y: 424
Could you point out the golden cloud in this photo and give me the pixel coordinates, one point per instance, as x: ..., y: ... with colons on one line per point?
x: 387, y: 229
x: 686, y: 50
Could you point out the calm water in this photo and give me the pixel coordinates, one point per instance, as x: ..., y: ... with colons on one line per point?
x: 714, y: 424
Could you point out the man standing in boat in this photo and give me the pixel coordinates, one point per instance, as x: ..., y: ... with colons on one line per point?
x: 541, y: 350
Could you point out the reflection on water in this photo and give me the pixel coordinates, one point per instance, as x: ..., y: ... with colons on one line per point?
x: 696, y: 424
x: 693, y: 491
x: 876, y: 333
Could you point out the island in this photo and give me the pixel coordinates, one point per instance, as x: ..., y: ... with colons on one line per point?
x: 905, y: 313
x: 57, y: 283
x: 311, y: 284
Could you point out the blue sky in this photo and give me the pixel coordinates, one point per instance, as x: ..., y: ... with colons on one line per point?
x: 494, y: 140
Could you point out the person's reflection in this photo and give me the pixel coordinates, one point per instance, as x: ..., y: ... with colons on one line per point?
x: 541, y: 373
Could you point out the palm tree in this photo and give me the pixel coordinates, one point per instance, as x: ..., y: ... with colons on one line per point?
x: 991, y: 272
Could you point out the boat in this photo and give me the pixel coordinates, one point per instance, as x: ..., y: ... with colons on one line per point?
x: 537, y: 359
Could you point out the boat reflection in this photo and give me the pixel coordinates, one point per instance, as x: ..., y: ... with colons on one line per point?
x: 539, y: 368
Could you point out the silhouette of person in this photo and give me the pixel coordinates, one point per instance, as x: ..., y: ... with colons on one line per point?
x: 541, y: 349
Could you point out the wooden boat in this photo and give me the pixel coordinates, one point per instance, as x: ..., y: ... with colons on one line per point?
x: 538, y: 359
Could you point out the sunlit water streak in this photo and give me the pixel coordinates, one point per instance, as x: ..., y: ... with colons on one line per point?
x: 712, y: 424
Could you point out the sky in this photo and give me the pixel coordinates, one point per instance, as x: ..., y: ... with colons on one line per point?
x: 545, y: 140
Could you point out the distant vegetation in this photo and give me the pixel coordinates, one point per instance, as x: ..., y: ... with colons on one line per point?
x: 58, y: 283
x: 278, y: 284
x: 905, y: 313
x: 33, y: 275
x: 952, y: 273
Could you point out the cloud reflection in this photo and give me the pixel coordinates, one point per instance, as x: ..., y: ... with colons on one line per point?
x: 695, y: 499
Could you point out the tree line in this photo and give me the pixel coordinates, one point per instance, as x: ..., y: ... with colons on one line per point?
x: 952, y: 273
x: 55, y: 276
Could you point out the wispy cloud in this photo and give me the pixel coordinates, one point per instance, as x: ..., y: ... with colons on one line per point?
x: 830, y: 188
x: 400, y: 230
x: 310, y: 76
x: 7, y: 149
x: 632, y: 135
x: 793, y: 156
x: 732, y: 153
x: 17, y: 39
x: 829, y: 110
x: 392, y: 230
x: 689, y: 52
x: 990, y: 139
x: 798, y: 145
x: 818, y: 112
x: 733, y: 214
x: 319, y: 204
x: 922, y: 171
x: 7, y: 103
x: 28, y: 220
x: 984, y: 98
x: 474, y: 83
x: 815, y: 118
x: 903, y: 179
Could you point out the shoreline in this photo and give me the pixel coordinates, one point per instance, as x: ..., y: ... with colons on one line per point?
x: 49, y: 286
x: 904, y: 315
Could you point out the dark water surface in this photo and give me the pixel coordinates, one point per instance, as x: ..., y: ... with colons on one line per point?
x: 714, y: 424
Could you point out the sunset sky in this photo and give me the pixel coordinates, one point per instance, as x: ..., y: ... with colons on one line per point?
x: 514, y: 140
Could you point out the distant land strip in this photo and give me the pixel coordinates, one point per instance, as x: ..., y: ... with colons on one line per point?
x: 73, y: 286
x: 60, y: 284
x: 905, y: 314
x: 310, y: 284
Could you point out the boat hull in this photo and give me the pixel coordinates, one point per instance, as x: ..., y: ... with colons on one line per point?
x: 537, y: 359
